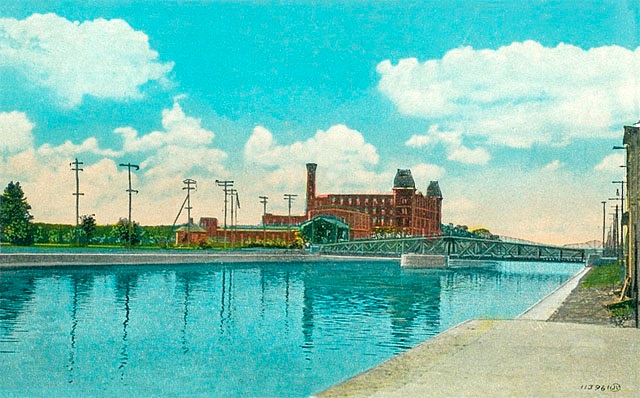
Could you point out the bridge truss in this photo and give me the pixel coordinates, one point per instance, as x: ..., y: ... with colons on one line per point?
x: 456, y: 248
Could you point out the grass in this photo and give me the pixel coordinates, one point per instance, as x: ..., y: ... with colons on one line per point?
x: 605, y: 275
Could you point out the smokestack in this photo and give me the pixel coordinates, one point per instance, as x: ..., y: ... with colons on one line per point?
x: 311, y: 185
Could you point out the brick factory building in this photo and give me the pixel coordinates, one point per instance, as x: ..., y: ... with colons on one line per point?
x: 405, y: 209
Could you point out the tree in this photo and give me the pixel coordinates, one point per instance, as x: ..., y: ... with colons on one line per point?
x: 88, y: 228
x: 121, y: 232
x: 15, y: 219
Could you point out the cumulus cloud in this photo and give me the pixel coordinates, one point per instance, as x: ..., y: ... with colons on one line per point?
x: 184, y: 146
x: 346, y: 163
x: 15, y: 132
x: 343, y: 156
x: 519, y: 94
x: 611, y: 163
x: 182, y: 149
x: 553, y: 165
x: 101, y: 58
x: 452, y: 141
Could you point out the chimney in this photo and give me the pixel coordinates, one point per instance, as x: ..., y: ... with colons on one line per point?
x: 311, y: 185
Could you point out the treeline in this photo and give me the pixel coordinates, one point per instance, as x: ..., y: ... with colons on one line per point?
x: 116, y: 234
x: 17, y: 227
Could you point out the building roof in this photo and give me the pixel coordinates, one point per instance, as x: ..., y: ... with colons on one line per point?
x: 191, y: 227
x: 434, y: 189
x: 404, y: 179
x: 326, y: 218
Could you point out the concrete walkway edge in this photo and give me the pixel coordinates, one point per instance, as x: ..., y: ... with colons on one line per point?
x: 543, y: 309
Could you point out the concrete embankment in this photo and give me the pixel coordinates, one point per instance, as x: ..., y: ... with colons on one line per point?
x: 508, y: 358
x: 86, y: 258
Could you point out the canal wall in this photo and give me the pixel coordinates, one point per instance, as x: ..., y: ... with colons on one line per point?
x: 130, y: 258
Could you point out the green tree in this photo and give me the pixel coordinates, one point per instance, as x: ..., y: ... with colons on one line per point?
x: 87, y: 228
x: 120, y: 231
x: 15, y: 219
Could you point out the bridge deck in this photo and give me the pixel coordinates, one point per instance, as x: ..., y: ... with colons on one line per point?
x: 456, y: 248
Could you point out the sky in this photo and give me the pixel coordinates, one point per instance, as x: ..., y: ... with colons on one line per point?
x: 513, y: 106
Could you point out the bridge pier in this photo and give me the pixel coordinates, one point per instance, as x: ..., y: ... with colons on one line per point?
x: 411, y: 260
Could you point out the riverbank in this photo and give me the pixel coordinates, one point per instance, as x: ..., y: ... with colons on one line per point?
x: 45, y: 259
x: 574, y: 350
x: 587, y: 304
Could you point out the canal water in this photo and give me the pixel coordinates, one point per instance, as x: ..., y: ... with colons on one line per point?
x: 253, y: 329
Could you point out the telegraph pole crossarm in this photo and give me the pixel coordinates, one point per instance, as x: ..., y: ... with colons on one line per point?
x: 190, y: 186
x: 130, y: 166
x: 264, y: 200
x: 76, y: 167
x: 289, y: 197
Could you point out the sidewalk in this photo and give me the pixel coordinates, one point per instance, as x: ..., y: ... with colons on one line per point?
x: 515, y: 358
x: 575, y: 353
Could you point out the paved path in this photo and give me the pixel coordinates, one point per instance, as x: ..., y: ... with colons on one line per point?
x: 509, y: 358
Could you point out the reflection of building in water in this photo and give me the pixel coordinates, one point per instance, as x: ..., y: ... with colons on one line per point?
x: 409, y: 306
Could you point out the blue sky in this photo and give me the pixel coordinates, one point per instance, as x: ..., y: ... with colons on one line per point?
x: 512, y: 106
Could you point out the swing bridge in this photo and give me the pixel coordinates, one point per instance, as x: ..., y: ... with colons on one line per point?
x: 456, y: 248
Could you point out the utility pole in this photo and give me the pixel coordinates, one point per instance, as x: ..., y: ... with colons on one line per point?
x: 190, y: 186
x: 264, y: 200
x: 289, y: 197
x: 604, y: 220
x: 76, y: 167
x: 618, y: 226
x: 129, y: 166
x: 621, y: 192
x: 233, y: 195
x: 226, y: 184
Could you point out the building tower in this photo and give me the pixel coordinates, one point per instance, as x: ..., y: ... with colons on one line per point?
x: 311, y: 186
x: 434, y: 197
x: 404, y: 188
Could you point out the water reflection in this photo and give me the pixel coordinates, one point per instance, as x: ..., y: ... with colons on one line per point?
x: 201, y: 327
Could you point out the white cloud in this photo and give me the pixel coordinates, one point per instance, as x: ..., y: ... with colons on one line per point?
x: 183, y: 149
x: 342, y: 154
x: 100, y: 58
x: 15, y: 132
x: 423, y: 173
x: 452, y: 141
x: 611, y: 163
x: 346, y: 163
x: 519, y: 94
x: 553, y: 165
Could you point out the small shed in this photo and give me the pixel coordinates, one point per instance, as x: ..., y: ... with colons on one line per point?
x: 325, y: 229
x: 190, y: 234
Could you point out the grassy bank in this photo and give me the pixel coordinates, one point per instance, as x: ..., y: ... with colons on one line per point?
x: 605, y: 275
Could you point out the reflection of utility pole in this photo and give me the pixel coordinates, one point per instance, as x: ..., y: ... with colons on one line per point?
x: 76, y: 167
x: 189, y: 182
x: 129, y: 166
x: 263, y: 200
x: 289, y: 197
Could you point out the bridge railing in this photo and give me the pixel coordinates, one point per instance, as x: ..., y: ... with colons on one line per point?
x: 456, y: 248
